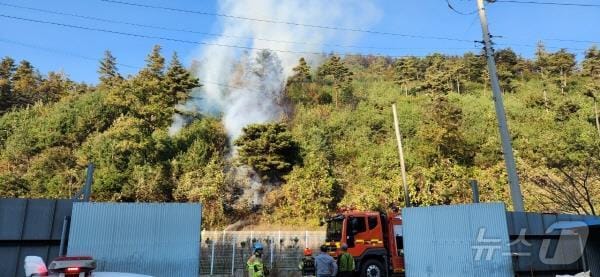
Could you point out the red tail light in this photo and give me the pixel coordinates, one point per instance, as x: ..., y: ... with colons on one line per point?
x: 72, y: 269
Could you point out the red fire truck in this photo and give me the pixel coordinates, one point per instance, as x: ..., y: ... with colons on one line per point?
x: 374, y: 239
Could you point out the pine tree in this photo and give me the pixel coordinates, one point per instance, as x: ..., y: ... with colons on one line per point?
x: 438, y: 78
x: 108, y: 70
x: 474, y: 67
x: 7, y: 69
x: 179, y: 81
x: 269, y: 149
x: 591, y: 63
x: 301, y: 72
x: 155, y: 64
x: 506, y: 61
x: 342, y: 77
x: 406, y: 70
x: 25, y: 82
x: 53, y: 87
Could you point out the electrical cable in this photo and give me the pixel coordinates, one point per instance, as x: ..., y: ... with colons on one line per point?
x: 202, y: 33
x: 62, y: 52
x: 551, y: 3
x: 182, y: 40
x: 284, y: 22
x: 457, y: 11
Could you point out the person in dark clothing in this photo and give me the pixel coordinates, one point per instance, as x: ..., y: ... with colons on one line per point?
x: 307, y: 265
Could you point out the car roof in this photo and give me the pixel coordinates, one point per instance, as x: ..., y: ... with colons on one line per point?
x: 117, y: 274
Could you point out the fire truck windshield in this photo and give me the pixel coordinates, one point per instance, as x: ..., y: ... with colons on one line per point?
x: 334, y: 228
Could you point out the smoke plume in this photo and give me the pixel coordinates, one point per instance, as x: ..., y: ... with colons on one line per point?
x: 244, y: 86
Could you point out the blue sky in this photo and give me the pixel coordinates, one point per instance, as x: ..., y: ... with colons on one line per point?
x: 76, y: 52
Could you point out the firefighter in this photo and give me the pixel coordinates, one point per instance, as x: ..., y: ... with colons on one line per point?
x: 325, y: 264
x: 255, y: 265
x: 307, y: 265
x: 346, y: 262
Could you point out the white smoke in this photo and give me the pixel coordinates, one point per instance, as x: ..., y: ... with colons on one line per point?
x: 246, y: 86
x: 231, y: 86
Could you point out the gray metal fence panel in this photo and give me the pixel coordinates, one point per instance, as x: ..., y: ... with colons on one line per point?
x: 145, y: 238
x: 537, y: 226
x: 12, y: 215
x: 29, y: 227
x: 445, y: 240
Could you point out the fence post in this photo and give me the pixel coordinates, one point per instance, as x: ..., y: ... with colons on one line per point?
x: 212, y: 258
x: 233, y: 256
x: 271, y: 248
x: 305, y: 239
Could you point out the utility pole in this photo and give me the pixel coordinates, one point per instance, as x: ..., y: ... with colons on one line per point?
x: 401, y: 152
x: 513, y: 178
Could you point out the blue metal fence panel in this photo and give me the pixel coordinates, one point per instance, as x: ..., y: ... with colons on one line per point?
x: 145, y: 238
x: 457, y: 240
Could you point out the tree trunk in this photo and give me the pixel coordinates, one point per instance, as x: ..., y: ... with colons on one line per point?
x: 544, y: 90
x: 458, y: 85
x: 562, y: 78
x: 335, y: 97
x: 545, y: 99
x: 597, y: 119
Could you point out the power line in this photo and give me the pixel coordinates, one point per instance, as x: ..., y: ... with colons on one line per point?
x: 548, y: 3
x: 74, y: 55
x: 182, y: 40
x: 205, y: 33
x: 457, y: 11
x: 152, y: 37
x: 284, y: 22
x: 535, y: 46
x: 573, y: 40
x: 56, y: 51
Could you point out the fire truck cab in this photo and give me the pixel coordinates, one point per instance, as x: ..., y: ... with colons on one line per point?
x: 374, y: 239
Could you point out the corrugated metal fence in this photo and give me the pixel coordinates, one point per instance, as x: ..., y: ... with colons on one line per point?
x: 457, y: 241
x: 535, y: 245
x: 157, y: 239
x: 29, y: 227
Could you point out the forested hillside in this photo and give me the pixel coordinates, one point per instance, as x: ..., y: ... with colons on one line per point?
x: 335, y: 146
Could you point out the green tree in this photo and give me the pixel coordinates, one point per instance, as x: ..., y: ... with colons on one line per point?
x: 25, y: 82
x: 406, y: 71
x: 458, y: 72
x: 269, y: 149
x: 561, y: 66
x: 438, y: 78
x: 179, y: 82
x: 301, y: 72
x: 507, y: 61
x: 591, y: 63
x: 53, y: 87
x: 307, y: 194
x: 155, y: 64
x: 474, y: 67
x: 7, y: 69
x: 146, y: 95
x: 341, y: 75
x: 206, y: 185
x: 108, y: 71
x: 444, y: 135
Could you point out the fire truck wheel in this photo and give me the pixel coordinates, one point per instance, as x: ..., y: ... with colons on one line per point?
x: 372, y: 268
